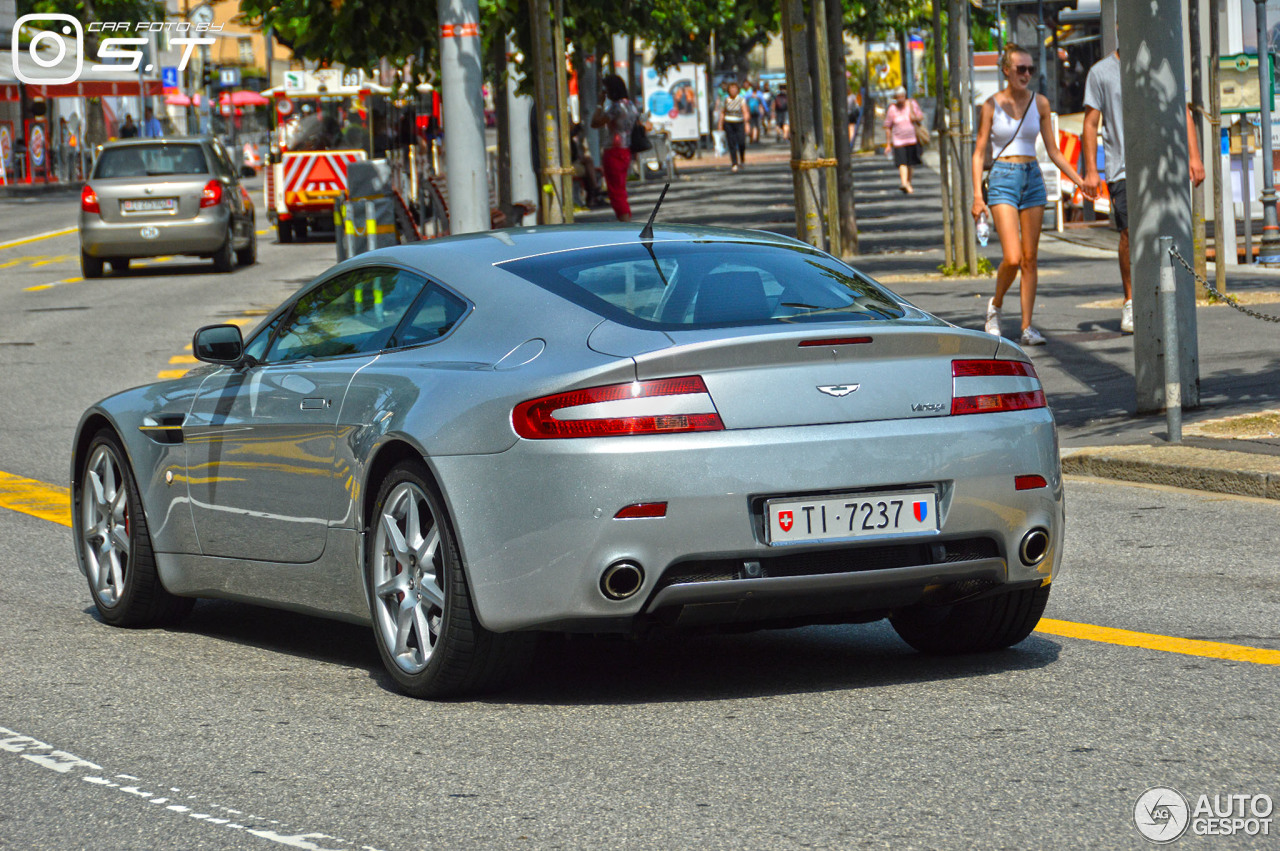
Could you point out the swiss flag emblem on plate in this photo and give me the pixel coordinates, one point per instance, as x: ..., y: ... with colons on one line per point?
x: 785, y: 520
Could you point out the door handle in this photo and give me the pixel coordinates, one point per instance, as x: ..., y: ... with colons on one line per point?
x: 315, y: 404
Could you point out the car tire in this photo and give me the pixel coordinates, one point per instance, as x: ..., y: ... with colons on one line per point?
x: 115, y: 543
x: 119, y: 264
x: 426, y: 629
x: 248, y: 255
x: 284, y: 232
x: 299, y: 229
x: 224, y: 259
x: 991, y: 623
x: 90, y: 267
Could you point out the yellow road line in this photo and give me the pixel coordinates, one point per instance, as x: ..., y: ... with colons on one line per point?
x: 183, y: 359
x: 1164, y: 643
x: 37, y: 237
x: 48, y: 502
x: 165, y: 374
x: 38, y: 287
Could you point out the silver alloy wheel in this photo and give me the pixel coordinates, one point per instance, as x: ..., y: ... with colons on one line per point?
x: 407, y: 584
x: 105, y: 525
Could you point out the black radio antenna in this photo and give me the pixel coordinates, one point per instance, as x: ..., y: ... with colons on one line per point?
x: 647, y: 233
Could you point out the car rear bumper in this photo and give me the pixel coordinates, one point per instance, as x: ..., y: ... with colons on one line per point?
x: 202, y: 235
x: 537, y: 529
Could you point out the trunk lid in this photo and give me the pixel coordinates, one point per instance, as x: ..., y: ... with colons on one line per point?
x: 130, y: 199
x: 823, y: 374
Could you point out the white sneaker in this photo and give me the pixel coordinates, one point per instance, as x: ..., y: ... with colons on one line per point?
x: 993, y: 318
x: 1032, y: 337
x: 1126, y: 317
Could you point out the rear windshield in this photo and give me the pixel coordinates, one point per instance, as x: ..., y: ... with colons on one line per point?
x: 680, y: 285
x: 151, y: 161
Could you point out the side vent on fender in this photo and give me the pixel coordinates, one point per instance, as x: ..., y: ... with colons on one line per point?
x: 166, y: 428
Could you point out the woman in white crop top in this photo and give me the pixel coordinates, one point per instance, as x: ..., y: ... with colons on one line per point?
x: 1015, y: 199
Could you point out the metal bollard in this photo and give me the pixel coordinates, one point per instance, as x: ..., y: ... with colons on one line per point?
x: 354, y: 227
x: 1172, y: 374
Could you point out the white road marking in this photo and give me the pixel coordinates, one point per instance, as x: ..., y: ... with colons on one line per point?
x: 61, y: 762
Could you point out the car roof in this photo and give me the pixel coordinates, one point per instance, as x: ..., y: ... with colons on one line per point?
x: 157, y: 140
x: 501, y: 246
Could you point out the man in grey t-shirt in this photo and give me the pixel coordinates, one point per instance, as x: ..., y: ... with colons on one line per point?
x: 1102, y: 101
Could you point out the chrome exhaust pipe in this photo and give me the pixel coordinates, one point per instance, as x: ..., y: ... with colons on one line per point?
x: 621, y: 580
x: 1035, y: 546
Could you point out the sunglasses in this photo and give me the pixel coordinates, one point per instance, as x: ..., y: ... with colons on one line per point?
x: 1024, y: 69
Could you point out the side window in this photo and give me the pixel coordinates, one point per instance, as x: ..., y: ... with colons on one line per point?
x: 223, y: 160
x: 435, y: 313
x: 351, y: 314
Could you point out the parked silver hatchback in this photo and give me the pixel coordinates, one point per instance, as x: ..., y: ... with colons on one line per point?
x: 153, y: 197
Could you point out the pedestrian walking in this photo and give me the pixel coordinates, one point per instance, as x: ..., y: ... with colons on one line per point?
x: 733, y: 121
x: 780, y: 104
x: 755, y: 110
x: 619, y: 115
x: 151, y: 125
x: 128, y: 130
x: 900, y: 127
x: 1015, y: 200
x: 1102, y: 103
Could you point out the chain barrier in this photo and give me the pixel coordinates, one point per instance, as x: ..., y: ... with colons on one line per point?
x: 1230, y: 300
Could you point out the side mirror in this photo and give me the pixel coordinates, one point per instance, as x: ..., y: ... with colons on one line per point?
x: 221, y: 344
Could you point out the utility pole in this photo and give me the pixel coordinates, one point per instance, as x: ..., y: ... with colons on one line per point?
x: 1197, y: 115
x: 822, y: 57
x: 804, y: 151
x: 1215, y: 135
x: 1157, y: 180
x: 466, y: 171
x: 1269, y: 244
x: 840, y: 119
x: 518, y: 181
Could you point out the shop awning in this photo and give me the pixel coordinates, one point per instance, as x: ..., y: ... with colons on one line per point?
x: 97, y: 89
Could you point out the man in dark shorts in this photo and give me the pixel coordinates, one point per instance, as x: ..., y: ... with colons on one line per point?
x: 1102, y: 101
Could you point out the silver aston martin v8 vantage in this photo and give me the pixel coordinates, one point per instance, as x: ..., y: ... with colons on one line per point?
x: 469, y: 441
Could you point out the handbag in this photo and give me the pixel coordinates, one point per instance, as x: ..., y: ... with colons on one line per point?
x: 922, y: 133
x: 639, y: 138
x: 986, y: 173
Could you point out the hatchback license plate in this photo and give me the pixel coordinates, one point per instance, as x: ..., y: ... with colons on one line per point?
x: 845, y: 516
x: 148, y: 205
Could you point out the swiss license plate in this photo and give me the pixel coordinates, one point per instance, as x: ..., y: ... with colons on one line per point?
x: 148, y: 205
x: 845, y: 516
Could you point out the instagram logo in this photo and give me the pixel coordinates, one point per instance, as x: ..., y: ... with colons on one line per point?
x: 56, y: 28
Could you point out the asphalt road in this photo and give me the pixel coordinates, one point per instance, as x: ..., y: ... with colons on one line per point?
x: 249, y: 728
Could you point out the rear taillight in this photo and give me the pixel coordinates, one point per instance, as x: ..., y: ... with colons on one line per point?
x: 89, y: 200
x: 212, y: 194
x: 993, y: 386
x: 665, y: 406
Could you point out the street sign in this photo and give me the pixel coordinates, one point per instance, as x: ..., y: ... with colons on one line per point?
x: 169, y: 76
x: 1239, y: 84
x: 229, y: 77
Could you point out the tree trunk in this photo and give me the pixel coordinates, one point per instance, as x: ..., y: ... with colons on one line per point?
x: 804, y: 149
x: 562, y: 111
x: 940, y: 134
x: 551, y: 200
x: 830, y: 137
x: 840, y: 121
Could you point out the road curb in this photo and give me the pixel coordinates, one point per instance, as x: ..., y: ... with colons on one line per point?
x: 1214, y: 470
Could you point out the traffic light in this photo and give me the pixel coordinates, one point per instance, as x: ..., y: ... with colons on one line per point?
x: 211, y: 77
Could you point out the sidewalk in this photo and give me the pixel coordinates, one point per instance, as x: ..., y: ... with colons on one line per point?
x: 1087, y: 367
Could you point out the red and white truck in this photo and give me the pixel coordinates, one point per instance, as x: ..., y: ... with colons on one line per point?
x: 320, y: 125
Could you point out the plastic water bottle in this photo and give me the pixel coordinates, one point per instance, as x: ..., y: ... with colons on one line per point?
x: 984, y: 230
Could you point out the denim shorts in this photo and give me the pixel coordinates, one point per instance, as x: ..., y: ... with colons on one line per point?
x: 1018, y: 184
